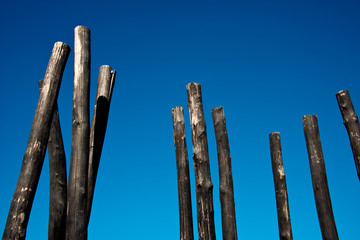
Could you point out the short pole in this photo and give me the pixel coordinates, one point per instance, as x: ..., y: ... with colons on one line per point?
x: 319, y: 179
x: 281, y: 194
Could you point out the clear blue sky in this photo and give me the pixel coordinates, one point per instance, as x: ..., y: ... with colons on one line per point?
x: 267, y: 64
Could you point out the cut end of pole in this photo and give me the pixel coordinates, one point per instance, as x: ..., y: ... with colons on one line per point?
x: 309, y: 117
x: 178, y: 114
x: 193, y: 86
x: 217, y: 109
x: 274, y: 134
x: 342, y: 92
x: 81, y: 28
x: 62, y: 45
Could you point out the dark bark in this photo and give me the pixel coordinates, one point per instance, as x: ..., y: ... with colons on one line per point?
x: 351, y: 123
x: 58, y: 182
x: 227, y: 201
x: 281, y: 194
x: 319, y: 179
x: 76, y: 219
x: 105, y: 86
x: 183, y: 178
x: 204, y: 186
x: 35, y: 152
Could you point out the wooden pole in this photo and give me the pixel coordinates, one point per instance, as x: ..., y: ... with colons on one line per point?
x: 227, y: 201
x: 183, y: 178
x: 204, y: 186
x: 58, y: 182
x: 105, y: 86
x: 319, y: 179
x: 351, y: 123
x: 35, y: 151
x: 281, y: 194
x: 76, y: 219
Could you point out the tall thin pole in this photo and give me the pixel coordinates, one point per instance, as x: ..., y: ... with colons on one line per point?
x: 35, y: 151
x: 183, y: 178
x: 351, y: 122
x: 319, y: 179
x: 58, y: 181
x: 76, y: 219
x: 281, y: 194
x: 204, y: 186
x: 227, y: 200
x: 105, y: 86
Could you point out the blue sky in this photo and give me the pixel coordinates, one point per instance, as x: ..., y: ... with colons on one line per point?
x: 267, y: 63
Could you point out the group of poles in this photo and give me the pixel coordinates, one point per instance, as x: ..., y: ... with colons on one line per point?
x: 204, y: 186
x: 70, y: 201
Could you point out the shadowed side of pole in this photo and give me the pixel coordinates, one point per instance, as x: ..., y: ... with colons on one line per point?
x: 319, y: 179
x: 351, y: 122
x: 227, y: 201
x: 204, y: 186
x: 35, y: 151
x: 183, y: 178
x: 281, y: 194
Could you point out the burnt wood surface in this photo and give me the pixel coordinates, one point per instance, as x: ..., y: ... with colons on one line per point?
x: 76, y: 218
x: 227, y: 201
x: 183, y: 178
x: 105, y: 86
x: 204, y: 186
x: 281, y: 194
x: 351, y: 122
x: 58, y: 182
x: 319, y: 179
x: 35, y: 151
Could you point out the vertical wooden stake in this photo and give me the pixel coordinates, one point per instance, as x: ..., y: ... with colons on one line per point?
x: 281, y: 194
x: 35, y: 151
x: 227, y: 201
x: 351, y: 123
x: 105, y: 86
x: 204, y: 186
x: 319, y: 179
x: 183, y: 178
x: 58, y: 182
x: 76, y: 219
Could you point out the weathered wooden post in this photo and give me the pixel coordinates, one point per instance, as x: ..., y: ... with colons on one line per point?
x: 204, y: 186
x: 183, y: 178
x: 351, y: 123
x: 58, y: 181
x: 105, y: 87
x: 76, y: 219
x: 227, y: 201
x: 281, y: 194
x: 319, y: 179
x: 35, y: 152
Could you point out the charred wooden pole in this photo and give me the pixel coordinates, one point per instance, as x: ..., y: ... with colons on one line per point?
x: 204, y: 186
x: 76, y: 218
x: 35, y: 151
x: 227, y: 201
x: 58, y: 182
x: 281, y: 194
x: 351, y: 123
x: 319, y: 179
x: 183, y: 178
x: 105, y: 86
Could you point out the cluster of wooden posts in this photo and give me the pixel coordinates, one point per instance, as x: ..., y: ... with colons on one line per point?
x: 204, y: 186
x: 70, y: 204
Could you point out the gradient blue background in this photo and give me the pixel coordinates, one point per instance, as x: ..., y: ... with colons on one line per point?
x: 267, y: 64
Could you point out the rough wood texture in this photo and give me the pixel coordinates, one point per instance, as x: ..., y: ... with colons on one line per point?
x: 58, y: 182
x: 319, y: 179
x: 105, y: 87
x: 281, y: 194
x: 227, y: 201
x: 351, y: 123
x: 76, y: 218
x: 204, y: 186
x: 183, y: 178
x: 35, y: 152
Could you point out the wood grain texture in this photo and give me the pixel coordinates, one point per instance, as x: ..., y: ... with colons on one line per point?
x: 35, y: 151
x: 319, y: 179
